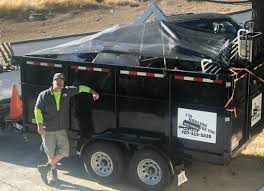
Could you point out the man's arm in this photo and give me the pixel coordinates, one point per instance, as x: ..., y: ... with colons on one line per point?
x: 38, y: 114
x: 84, y: 89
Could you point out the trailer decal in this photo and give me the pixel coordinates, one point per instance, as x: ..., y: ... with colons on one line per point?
x: 197, y: 79
x: 37, y: 63
x: 256, y: 108
x: 146, y: 74
x: 92, y: 69
x: 197, y: 125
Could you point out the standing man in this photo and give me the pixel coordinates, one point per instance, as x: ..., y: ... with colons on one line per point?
x: 52, y: 117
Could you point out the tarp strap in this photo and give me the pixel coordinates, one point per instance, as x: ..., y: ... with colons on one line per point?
x: 248, y: 72
x: 233, y: 70
x: 232, y: 110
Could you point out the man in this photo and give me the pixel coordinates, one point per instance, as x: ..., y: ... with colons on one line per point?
x: 52, y: 117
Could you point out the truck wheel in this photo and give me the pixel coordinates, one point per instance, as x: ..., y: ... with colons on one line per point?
x: 104, y: 161
x: 150, y: 170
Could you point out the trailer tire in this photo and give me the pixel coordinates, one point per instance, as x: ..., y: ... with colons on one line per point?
x: 104, y: 161
x: 150, y: 170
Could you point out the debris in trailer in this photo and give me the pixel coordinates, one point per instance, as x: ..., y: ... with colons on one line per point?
x: 178, y: 43
x: 164, y: 44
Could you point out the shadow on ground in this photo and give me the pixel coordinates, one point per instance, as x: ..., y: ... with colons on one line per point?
x: 18, y: 150
x: 242, y: 174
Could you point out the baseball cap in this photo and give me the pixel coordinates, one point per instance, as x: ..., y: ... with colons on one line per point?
x: 58, y: 76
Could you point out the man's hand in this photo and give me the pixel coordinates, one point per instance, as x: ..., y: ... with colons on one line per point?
x: 41, y: 129
x: 95, y: 95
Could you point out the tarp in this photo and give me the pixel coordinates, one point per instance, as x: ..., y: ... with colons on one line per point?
x: 154, y: 39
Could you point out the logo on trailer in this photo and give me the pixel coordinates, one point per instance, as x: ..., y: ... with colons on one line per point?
x: 256, y: 110
x: 197, y: 125
x: 187, y: 125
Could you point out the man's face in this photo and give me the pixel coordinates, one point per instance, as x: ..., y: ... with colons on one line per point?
x: 58, y: 84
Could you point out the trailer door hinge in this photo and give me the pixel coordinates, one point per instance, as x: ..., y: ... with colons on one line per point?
x: 227, y: 119
x: 228, y: 84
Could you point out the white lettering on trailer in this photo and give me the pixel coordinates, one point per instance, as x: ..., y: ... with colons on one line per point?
x: 256, y: 108
x: 197, y: 125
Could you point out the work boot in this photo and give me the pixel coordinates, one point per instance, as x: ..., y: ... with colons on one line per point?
x: 53, y: 176
x: 43, y: 170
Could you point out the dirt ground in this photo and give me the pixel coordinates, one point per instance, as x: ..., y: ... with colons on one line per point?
x: 18, y: 27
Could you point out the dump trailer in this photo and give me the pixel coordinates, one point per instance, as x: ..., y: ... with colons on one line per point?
x: 150, y: 120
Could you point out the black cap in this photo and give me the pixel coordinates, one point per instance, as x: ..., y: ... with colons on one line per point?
x: 58, y: 76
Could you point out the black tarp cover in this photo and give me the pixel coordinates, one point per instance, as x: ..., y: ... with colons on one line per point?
x: 155, y: 39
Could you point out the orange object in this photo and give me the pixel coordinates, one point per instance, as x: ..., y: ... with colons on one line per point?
x: 15, y: 105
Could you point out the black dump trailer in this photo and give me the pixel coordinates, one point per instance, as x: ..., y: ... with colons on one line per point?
x: 149, y: 120
x: 145, y: 113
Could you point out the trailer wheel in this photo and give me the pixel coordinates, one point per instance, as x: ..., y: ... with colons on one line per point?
x: 150, y: 170
x: 104, y: 161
